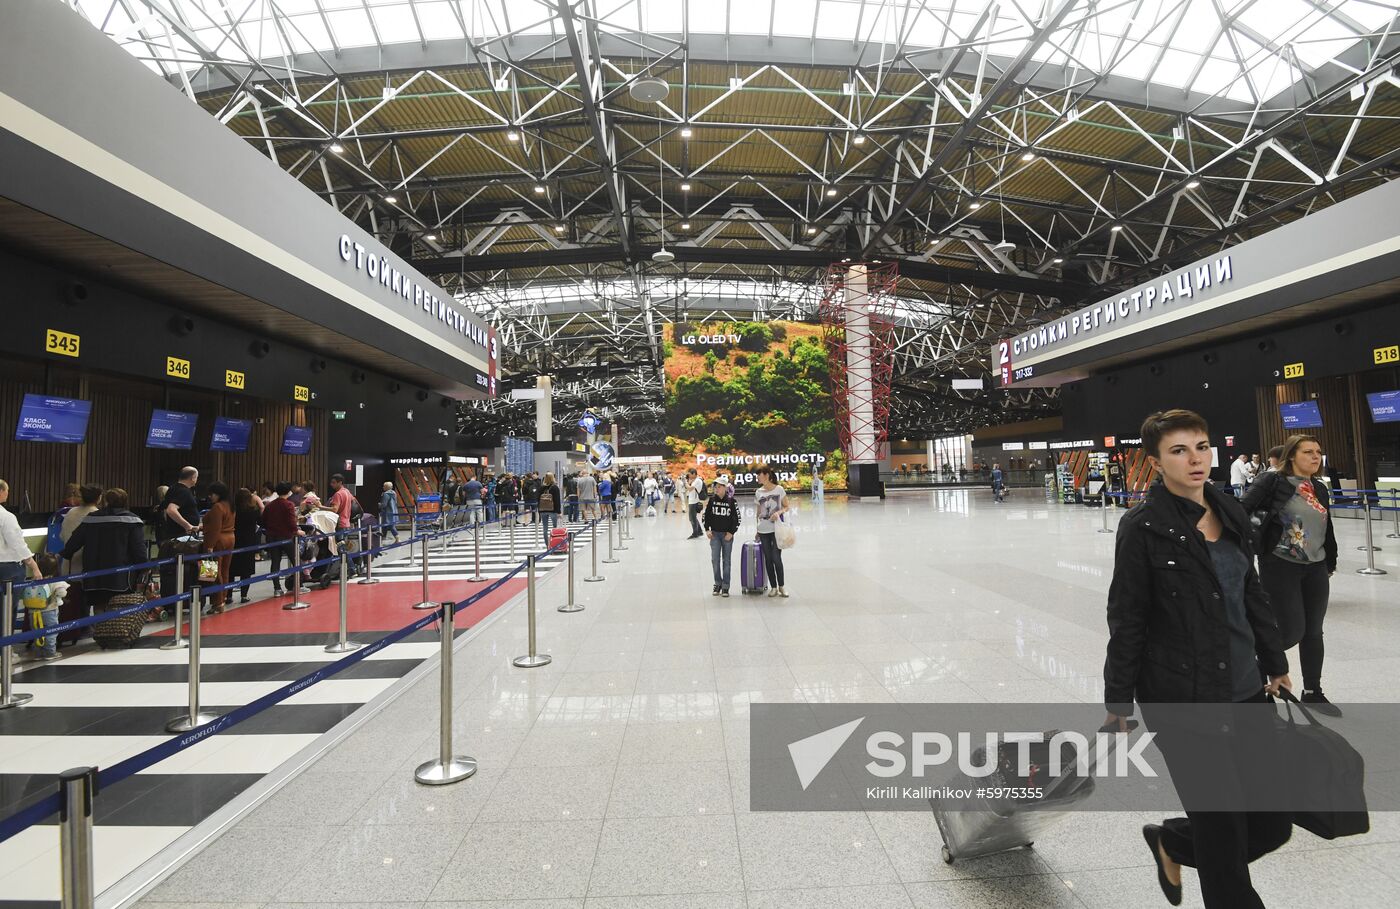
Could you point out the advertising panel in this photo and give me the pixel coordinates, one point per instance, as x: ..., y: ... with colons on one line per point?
x: 1303, y: 415
x: 45, y: 419
x: 230, y: 434
x: 296, y: 440
x: 171, y: 429
x: 743, y: 394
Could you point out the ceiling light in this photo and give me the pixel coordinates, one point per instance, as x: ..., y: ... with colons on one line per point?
x: 513, y: 136
x: 1028, y: 156
x: 974, y: 205
x: 430, y: 237
x: 858, y: 139
x: 1058, y: 261
x: 558, y: 228
x: 391, y: 199
x: 648, y: 89
x: 1117, y: 227
x: 539, y: 189
x: 685, y: 225
x: 685, y: 132
x: 1193, y: 184
x: 337, y: 148
x: 685, y: 187
x: 811, y: 230
x: 1004, y: 246
x: 831, y: 191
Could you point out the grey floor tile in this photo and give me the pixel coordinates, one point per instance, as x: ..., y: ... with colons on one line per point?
x: 669, y: 901
x: 317, y: 800
x: 671, y: 790
x: 666, y: 855
x: 540, y: 860
x: 549, y: 794
x: 811, y: 849
x: 914, y: 846
x: 1042, y: 891
x: 570, y: 747
x: 696, y: 740
x: 244, y: 865
x: 375, y: 863
x: 403, y: 800
x: 885, y: 896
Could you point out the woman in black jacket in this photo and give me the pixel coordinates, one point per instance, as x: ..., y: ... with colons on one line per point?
x: 1189, y: 623
x: 1292, y: 513
x: 721, y: 520
x: 110, y: 537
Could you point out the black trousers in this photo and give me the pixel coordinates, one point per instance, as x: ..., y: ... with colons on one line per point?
x: 695, y: 528
x: 772, y: 559
x: 278, y: 550
x: 1211, y: 771
x: 1299, y: 594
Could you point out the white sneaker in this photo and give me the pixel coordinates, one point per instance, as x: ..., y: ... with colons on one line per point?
x: 772, y: 591
x: 782, y: 592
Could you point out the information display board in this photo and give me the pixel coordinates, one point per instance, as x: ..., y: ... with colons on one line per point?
x: 1303, y: 415
x: 230, y: 434
x: 1385, y: 406
x: 520, y: 455
x: 46, y: 419
x: 296, y: 440
x: 171, y: 429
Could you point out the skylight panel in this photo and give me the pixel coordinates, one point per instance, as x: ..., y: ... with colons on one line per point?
x: 438, y: 21
x: 351, y: 28
x: 395, y: 24
x: 293, y: 7
x: 1175, y: 68
x: 665, y: 18
x: 308, y: 33
x: 791, y: 17
x: 749, y: 17
x: 1216, y: 76
x: 838, y: 19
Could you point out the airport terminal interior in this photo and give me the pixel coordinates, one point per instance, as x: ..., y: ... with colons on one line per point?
x: 662, y: 454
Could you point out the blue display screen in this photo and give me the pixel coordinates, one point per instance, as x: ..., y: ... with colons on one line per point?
x: 230, y: 434
x: 1303, y: 415
x: 45, y: 419
x: 171, y: 429
x: 1385, y: 406
x: 296, y: 440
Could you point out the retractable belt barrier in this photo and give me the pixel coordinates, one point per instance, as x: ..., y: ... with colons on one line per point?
x: 49, y: 805
x: 208, y: 589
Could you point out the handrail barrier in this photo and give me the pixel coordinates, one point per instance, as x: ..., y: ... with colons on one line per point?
x: 76, y: 788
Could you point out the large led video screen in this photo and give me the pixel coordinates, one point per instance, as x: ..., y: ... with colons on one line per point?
x: 743, y: 394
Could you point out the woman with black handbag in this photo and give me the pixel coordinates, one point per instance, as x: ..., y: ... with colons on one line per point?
x: 1192, y: 639
x: 1291, y: 515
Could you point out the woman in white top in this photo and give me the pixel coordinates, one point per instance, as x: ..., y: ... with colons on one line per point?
x: 16, y: 561
x: 770, y: 504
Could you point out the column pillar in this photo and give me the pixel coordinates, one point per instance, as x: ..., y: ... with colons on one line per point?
x: 860, y: 390
x: 544, y: 409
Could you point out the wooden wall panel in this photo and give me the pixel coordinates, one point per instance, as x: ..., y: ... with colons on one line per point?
x: 1342, y: 412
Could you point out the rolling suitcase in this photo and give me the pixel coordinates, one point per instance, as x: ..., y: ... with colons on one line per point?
x: 122, y: 631
x: 751, y: 578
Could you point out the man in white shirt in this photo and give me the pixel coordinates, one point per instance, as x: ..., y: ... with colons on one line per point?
x: 1239, y: 474
x: 16, y: 561
x: 694, y: 489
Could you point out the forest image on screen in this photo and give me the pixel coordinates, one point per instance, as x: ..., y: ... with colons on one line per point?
x: 740, y: 394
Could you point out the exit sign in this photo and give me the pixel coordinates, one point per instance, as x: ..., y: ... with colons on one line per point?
x: 339, y: 415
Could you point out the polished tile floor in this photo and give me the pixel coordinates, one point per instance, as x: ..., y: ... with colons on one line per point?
x: 617, y: 776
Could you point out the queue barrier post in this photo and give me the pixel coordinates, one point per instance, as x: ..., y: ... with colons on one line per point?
x: 611, y: 559
x: 375, y: 538
x: 297, y: 602
x: 177, y: 642
x: 1395, y: 509
x: 1104, y: 508
x: 76, y: 789
x: 570, y: 605
x: 425, y: 603
x: 622, y: 533
x: 534, y: 659
x: 196, y: 717
x: 447, y: 767
x: 8, y: 696
x: 510, y: 519
x: 476, y: 577
x: 1366, y: 515
x: 595, y: 577
x: 342, y: 644
x: 1370, y: 550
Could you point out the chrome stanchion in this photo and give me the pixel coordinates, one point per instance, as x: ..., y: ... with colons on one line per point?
x: 177, y: 642
x: 622, y: 533
x: 1104, y: 508
x: 593, y: 547
x: 342, y: 645
x: 511, y: 518
x: 374, y: 538
x: 1366, y: 513
x: 476, y: 577
x: 9, y: 697
x: 611, y: 558
x: 1370, y: 568
x: 426, y: 602
x: 533, y: 659
x: 195, y: 717
x: 296, y: 602
x: 76, y: 788
x: 448, y: 767
x: 1395, y: 508
x: 571, y: 606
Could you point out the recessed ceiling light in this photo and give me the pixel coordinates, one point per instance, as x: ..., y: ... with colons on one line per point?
x: 685, y: 187
x: 831, y: 191
x: 811, y: 230
x: 1117, y: 227
x: 974, y: 205
x: 337, y: 148
x: 513, y: 136
x: 391, y: 199
x: 558, y: 228
x: 1193, y: 184
x: 685, y: 225
x: 1028, y: 156
x: 1057, y: 261
x: 430, y: 237
x: 686, y: 132
x: 858, y: 139
x: 539, y: 189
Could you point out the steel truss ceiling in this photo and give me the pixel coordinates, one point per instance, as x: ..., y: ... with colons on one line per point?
x: 495, y: 143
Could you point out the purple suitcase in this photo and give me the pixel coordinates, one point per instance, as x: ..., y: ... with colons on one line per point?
x: 751, y: 579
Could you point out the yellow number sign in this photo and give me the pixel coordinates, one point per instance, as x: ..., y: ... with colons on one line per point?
x: 233, y: 378
x: 174, y: 366
x: 301, y: 393
x: 60, y: 342
x: 1383, y: 355
x: 1293, y: 371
